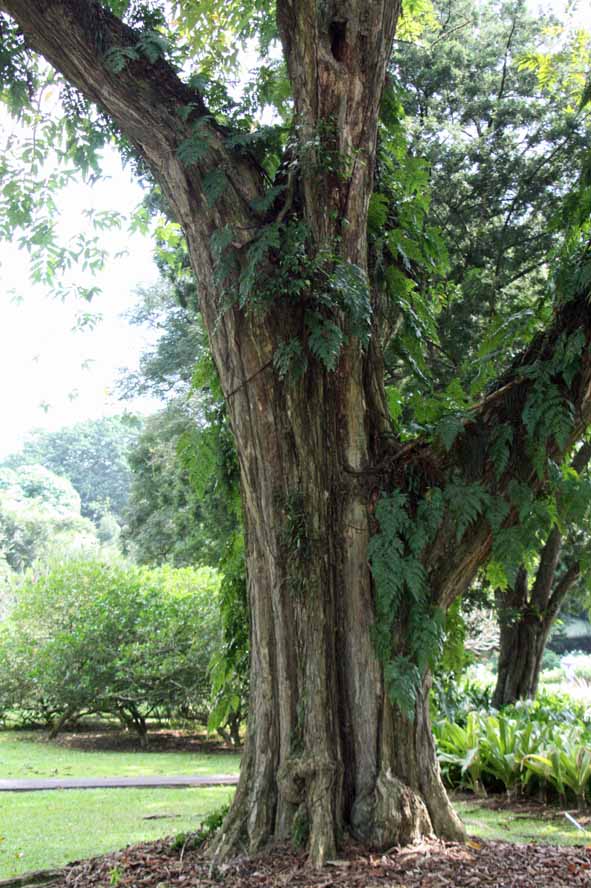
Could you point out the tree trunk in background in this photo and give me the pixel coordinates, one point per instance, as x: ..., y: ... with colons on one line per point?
x: 526, y: 616
x: 526, y: 621
x: 523, y: 640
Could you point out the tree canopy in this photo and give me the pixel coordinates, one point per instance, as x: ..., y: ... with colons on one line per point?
x: 92, y: 455
x: 39, y: 513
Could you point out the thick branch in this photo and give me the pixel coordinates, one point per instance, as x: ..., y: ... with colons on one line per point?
x: 542, y: 587
x: 582, y: 457
x: 337, y: 54
x: 453, y: 566
x: 155, y: 110
x: 158, y: 114
x: 561, y: 590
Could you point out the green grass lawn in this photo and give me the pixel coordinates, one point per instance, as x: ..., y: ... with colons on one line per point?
x: 42, y: 830
x: 29, y: 754
x: 514, y: 826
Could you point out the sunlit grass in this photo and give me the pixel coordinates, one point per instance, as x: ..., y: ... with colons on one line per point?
x: 514, y: 826
x: 30, y: 755
x: 43, y: 830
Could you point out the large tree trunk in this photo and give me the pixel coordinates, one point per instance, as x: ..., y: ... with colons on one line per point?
x: 326, y: 751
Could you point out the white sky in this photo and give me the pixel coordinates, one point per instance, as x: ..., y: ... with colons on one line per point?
x: 41, y: 360
x: 53, y: 375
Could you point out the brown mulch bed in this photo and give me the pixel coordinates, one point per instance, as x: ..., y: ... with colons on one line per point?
x: 430, y: 864
x: 163, y: 740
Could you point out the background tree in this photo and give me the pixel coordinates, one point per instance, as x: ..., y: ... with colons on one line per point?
x: 92, y: 455
x: 276, y: 227
x: 492, y: 109
x: 528, y: 609
x: 39, y: 513
x: 184, y: 504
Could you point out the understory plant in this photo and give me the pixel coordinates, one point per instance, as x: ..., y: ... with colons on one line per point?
x: 525, y: 749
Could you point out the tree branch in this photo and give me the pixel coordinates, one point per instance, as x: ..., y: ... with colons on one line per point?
x: 453, y: 565
x: 542, y: 587
x: 567, y: 580
x: 154, y: 109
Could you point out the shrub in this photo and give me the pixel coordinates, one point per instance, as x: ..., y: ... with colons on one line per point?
x: 455, y: 700
x: 87, y: 636
x: 543, y: 744
x: 566, y: 765
x: 459, y: 751
x: 552, y: 676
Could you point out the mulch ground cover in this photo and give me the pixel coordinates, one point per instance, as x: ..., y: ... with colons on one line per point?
x: 430, y: 864
x: 160, y: 740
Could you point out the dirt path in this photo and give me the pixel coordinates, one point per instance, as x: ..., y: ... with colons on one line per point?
x: 114, y: 782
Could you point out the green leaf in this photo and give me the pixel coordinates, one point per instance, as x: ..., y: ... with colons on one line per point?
x: 377, y: 212
x: 214, y: 184
x: 196, y: 146
x: 264, y: 203
x: 466, y: 503
x: 289, y: 359
x: 403, y: 681
x: 117, y: 58
x: 325, y: 339
x: 350, y: 285
x: 153, y: 45
x: 448, y: 428
x: 500, y: 448
x: 586, y: 96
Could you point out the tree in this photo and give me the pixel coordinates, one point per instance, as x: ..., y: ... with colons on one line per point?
x: 528, y: 610
x: 6, y: 575
x: 296, y: 312
x: 500, y: 143
x: 184, y: 503
x: 87, y: 636
x: 93, y: 456
x: 39, y: 513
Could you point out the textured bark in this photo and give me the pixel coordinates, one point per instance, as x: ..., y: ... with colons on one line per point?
x: 526, y: 616
x: 525, y: 629
x: 326, y: 752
